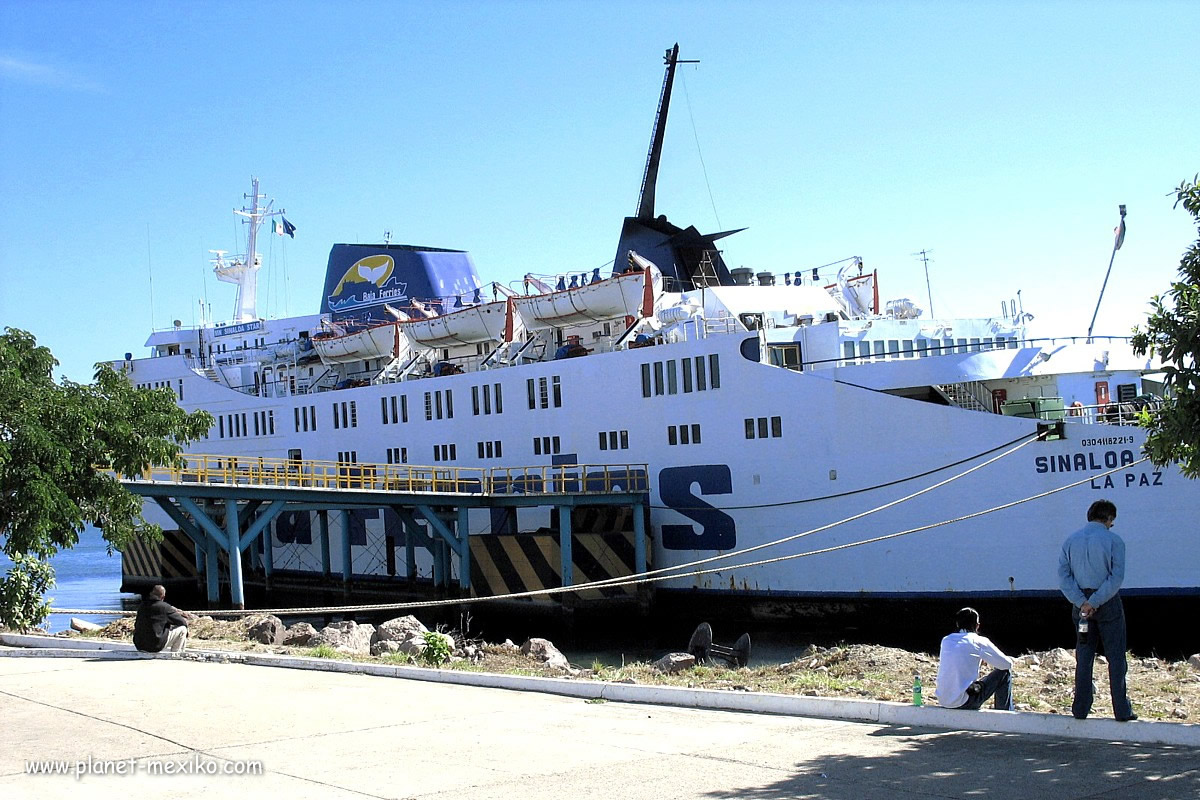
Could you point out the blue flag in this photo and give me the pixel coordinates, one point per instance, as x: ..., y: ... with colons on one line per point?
x: 288, y: 228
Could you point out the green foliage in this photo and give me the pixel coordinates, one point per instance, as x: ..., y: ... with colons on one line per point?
x: 58, y: 442
x: 1173, y: 335
x: 22, y: 590
x: 324, y: 651
x: 437, y: 649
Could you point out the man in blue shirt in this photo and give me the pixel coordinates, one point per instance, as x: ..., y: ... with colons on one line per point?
x: 1090, y: 571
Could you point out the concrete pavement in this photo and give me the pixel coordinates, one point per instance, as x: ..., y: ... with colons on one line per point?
x: 330, y: 735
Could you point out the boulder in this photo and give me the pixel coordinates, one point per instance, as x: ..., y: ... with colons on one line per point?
x: 1060, y: 659
x: 544, y: 650
x: 1194, y: 660
x: 346, y: 637
x: 1028, y: 660
x: 675, y: 662
x: 385, y: 648
x: 83, y: 625
x: 399, y: 629
x: 267, y: 630
x: 299, y: 635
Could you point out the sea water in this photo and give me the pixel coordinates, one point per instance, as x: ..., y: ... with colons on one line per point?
x: 86, y: 577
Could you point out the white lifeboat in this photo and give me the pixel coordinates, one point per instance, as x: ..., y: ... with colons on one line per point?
x: 378, y: 341
x: 487, y: 322
x: 631, y: 294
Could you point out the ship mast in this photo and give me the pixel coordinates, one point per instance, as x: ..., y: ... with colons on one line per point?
x: 645, y: 210
x: 243, y: 270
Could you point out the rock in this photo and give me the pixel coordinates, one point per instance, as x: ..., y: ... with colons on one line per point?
x: 385, y: 648
x: 399, y: 629
x: 1194, y: 661
x: 267, y: 630
x: 1102, y: 660
x: 299, y: 635
x: 84, y: 625
x: 1179, y: 713
x: 509, y: 645
x: 544, y: 650
x: 675, y: 662
x: 1029, y: 660
x: 1060, y: 659
x: 347, y: 637
x: 808, y: 651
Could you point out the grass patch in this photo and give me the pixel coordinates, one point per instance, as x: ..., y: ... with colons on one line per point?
x: 324, y: 651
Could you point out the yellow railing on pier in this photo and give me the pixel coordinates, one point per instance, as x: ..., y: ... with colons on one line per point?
x: 314, y: 474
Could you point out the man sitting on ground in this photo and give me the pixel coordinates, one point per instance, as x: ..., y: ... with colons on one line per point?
x: 159, y: 625
x: 958, y: 683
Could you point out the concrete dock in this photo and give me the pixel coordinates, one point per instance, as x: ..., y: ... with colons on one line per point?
x: 182, y: 728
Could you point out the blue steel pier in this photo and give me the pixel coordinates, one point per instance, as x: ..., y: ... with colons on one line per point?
x: 224, y: 508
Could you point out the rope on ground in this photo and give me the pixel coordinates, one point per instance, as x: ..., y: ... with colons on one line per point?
x: 652, y: 576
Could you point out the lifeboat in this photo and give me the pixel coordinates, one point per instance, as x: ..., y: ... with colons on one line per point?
x: 486, y: 322
x: 377, y: 341
x: 630, y: 294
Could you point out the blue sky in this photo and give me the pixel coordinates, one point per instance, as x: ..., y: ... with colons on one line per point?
x: 1002, y: 136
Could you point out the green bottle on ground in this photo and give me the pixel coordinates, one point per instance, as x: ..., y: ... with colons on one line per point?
x: 918, y: 699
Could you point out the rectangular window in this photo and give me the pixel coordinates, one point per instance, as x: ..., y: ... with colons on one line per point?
x: 975, y: 344
x: 848, y: 351
x: 700, y: 387
x: 403, y: 410
x: 313, y: 415
x: 907, y: 347
x: 449, y: 404
x: 479, y: 445
x: 437, y: 403
x: 491, y: 449
x: 429, y: 405
x: 555, y: 381
x: 658, y: 378
x: 271, y: 422
x: 672, y: 379
x: 543, y: 393
x: 762, y: 427
x: 864, y: 349
x: 297, y: 411
x: 695, y: 433
x: 532, y: 396
x: 555, y: 445
x: 878, y: 348
x: 603, y: 440
x: 383, y: 409
x: 777, y: 426
x: 893, y: 347
x: 922, y: 347
x: 393, y: 405
x: 245, y: 429
x: 612, y: 439
x: 353, y: 413
x: 749, y: 427
x: 624, y: 440
x: 671, y: 435
x: 499, y: 402
x: 475, y: 400
x: 221, y: 424
x: 687, y: 375
x: 537, y: 446
x: 714, y: 371
x: 683, y: 434
x: 645, y: 380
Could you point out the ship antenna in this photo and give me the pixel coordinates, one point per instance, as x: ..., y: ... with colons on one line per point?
x: 1118, y: 240
x: 645, y: 209
x: 925, y: 259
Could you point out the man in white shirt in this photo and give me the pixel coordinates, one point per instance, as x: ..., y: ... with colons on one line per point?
x: 958, y: 682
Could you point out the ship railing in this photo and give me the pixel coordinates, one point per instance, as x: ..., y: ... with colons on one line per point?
x: 317, y: 474
x: 1116, y: 413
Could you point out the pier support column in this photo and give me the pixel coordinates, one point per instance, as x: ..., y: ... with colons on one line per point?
x: 212, y: 570
x: 564, y: 543
x: 347, y: 558
x: 410, y: 551
x: 463, y: 534
x: 323, y: 532
x: 268, y: 556
x: 639, y: 539
x: 237, y: 592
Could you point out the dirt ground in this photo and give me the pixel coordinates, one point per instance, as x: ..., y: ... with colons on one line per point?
x: 1042, y: 681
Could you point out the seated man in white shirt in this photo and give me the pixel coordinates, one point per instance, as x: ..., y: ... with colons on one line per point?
x: 958, y: 682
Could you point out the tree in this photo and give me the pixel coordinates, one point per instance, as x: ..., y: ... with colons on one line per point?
x: 1173, y: 335
x: 60, y: 444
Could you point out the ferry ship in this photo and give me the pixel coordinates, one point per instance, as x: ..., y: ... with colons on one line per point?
x: 763, y: 405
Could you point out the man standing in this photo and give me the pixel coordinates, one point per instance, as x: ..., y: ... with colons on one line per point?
x: 958, y: 684
x: 1090, y: 572
x: 159, y: 625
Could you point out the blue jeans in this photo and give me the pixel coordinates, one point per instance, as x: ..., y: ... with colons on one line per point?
x: 999, y: 683
x: 1106, y: 628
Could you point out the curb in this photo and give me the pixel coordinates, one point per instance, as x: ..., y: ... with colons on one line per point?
x: 876, y: 711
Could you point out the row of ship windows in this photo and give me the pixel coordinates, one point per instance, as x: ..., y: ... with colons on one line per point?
x: 162, y: 385
x: 688, y: 433
x: 916, y: 348
x: 233, y: 426
x: 688, y: 374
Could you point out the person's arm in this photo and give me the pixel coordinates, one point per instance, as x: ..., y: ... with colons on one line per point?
x: 993, y: 655
x: 175, y: 617
x: 1116, y: 575
x: 1066, y: 579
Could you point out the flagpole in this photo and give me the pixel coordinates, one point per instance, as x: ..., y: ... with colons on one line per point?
x: 1117, y: 241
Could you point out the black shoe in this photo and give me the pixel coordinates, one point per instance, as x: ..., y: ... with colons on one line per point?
x: 1077, y: 716
x: 1130, y: 718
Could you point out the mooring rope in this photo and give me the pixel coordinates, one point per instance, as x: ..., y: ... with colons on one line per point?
x: 652, y: 576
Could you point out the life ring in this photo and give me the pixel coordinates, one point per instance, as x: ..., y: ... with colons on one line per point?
x: 1076, y: 409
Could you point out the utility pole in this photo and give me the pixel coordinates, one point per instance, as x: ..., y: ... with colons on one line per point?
x: 1118, y: 240
x: 925, y: 259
